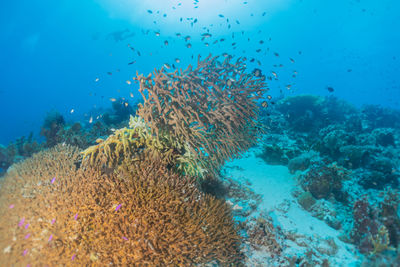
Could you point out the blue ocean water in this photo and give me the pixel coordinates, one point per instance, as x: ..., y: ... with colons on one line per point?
x: 78, y: 58
x: 53, y: 51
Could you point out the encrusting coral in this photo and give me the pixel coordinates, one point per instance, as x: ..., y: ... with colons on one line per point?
x: 141, y: 215
x: 212, y: 109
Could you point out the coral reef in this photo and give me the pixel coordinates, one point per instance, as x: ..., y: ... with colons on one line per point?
x: 300, y: 163
x: 323, y: 181
x: 375, y: 116
x: 212, y: 108
x: 301, y: 112
x: 364, y: 225
x: 359, y: 195
x: 389, y: 214
x: 6, y: 158
x: 137, y: 139
x: 141, y: 215
x: 119, y: 113
x: 123, y: 143
x: 306, y: 200
x: 61, y: 161
x: 16, y: 151
x: 52, y: 124
x: 279, y: 149
x: 56, y: 130
x: 309, y: 113
x: 263, y: 235
x: 381, y: 241
x: 75, y: 134
x: 376, y: 226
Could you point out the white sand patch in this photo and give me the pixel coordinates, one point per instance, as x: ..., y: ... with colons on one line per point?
x: 275, y: 184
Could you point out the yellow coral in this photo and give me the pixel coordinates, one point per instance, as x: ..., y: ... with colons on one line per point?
x: 381, y: 241
x: 128, y: 143
x: 125, y: 142
x: 189, y: 164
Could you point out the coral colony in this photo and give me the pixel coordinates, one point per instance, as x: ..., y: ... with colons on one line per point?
x: 133, y: 198
x: 153, y: 185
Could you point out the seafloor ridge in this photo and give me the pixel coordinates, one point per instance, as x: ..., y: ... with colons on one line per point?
x: 204, y: 172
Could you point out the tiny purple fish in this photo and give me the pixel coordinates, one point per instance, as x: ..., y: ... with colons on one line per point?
x: 26, y: 226
x: 73, y: 257
x: 53, y: 221
x: 28, y: 265
x: 76, y: 216
x: 25, y: 252
x: 21, y: 222
x: 52, y: 180
x: 50, y: 238
x: 117, y: 208
x: 11, y: 206
x: 27, y: 236
x: 124, y: 238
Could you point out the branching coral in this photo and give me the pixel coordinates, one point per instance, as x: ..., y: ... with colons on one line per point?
x: 131, y: 142
x: 21, y: 194
x: 141, y: 215
x: 212, y: 108
x: 123, y: 143
x: 58, y: 162
x: 381, y: 241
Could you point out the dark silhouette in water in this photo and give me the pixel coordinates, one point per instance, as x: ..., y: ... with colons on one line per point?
x: 120, y: 35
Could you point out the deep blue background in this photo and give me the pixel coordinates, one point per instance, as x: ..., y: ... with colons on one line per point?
x: 52, y: 51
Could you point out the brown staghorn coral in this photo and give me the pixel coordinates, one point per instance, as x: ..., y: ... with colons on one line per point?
x: 60, y: 161
x: 211, y: 108
x: 141, y: 215
x: 22, y: 188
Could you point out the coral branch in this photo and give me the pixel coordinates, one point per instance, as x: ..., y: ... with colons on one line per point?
x: 211, y: 108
